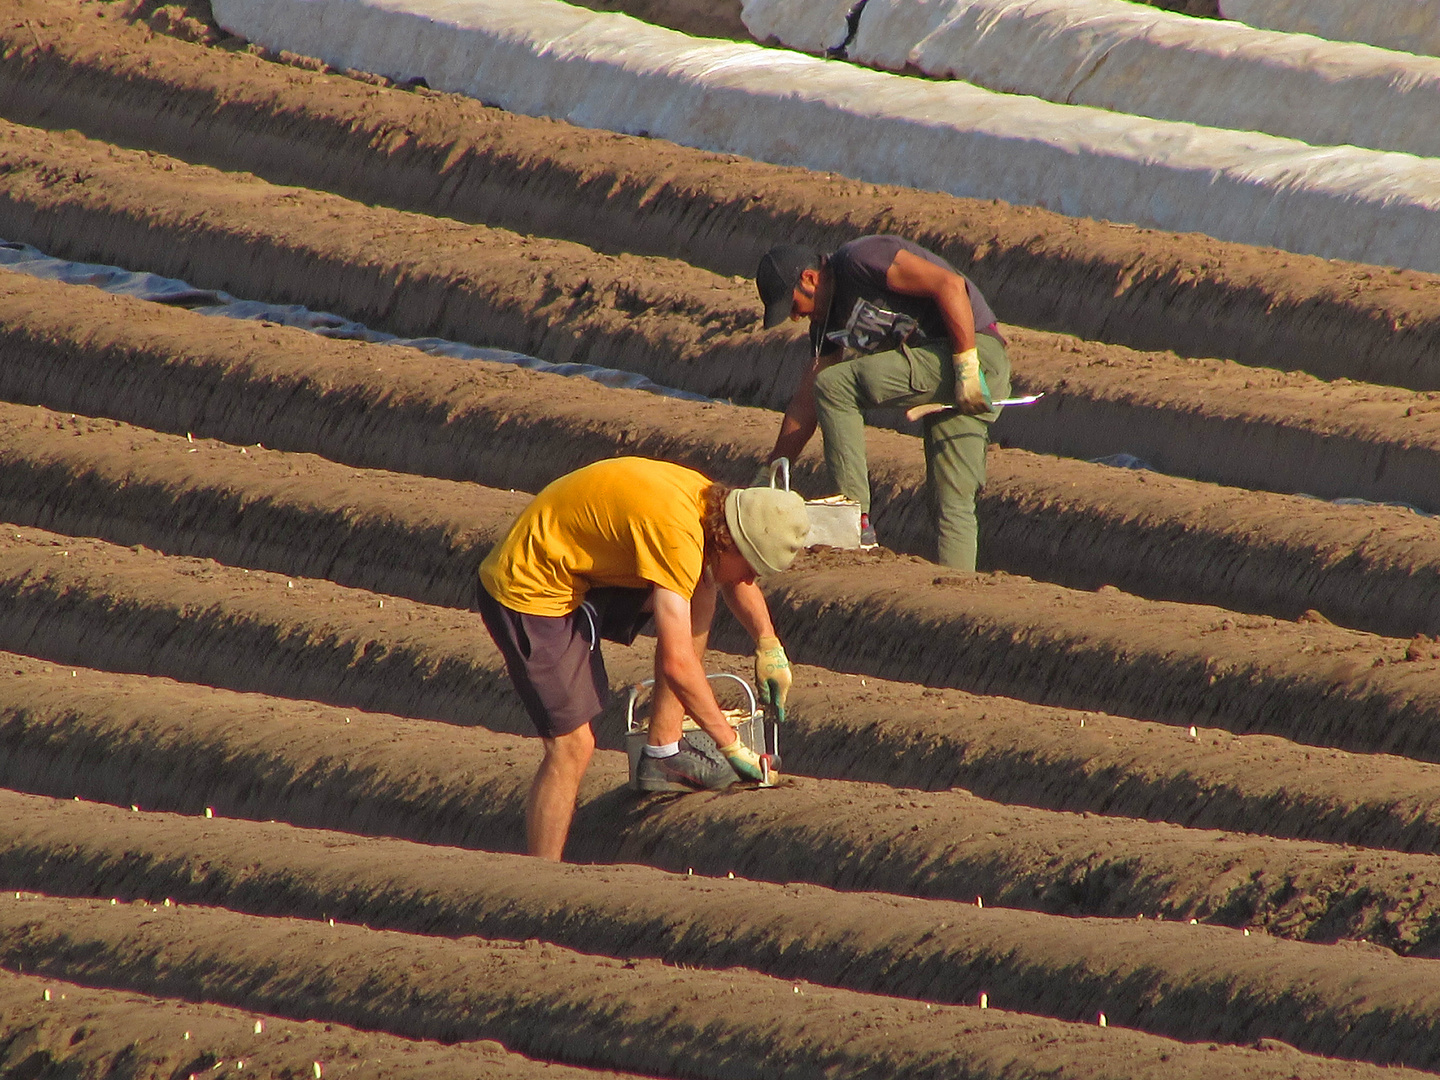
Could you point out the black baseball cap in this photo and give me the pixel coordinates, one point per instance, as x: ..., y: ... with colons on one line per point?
x: 778, y: 274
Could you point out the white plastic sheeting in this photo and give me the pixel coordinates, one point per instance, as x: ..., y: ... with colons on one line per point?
x: 1137, y: 59
x: 813, y: 26
x: 1408, y: 25
x: 546, y: 58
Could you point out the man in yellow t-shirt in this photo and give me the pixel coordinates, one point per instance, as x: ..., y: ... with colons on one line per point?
x: 597, y: 554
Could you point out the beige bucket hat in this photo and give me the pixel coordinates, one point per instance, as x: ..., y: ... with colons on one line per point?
x: 769, y: 526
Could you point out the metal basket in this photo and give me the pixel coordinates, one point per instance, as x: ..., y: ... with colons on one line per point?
x: 748, y: 722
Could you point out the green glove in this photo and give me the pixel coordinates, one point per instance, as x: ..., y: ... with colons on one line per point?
x: 772, y: 674
x: 743, y: 760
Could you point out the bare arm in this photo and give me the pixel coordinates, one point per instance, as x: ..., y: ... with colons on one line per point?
x: 800, y: 418
x: 914, y: 276
x: 678, y: 670
x: 747, y: 603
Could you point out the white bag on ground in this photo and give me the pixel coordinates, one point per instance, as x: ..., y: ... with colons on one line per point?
x: 546, y: 58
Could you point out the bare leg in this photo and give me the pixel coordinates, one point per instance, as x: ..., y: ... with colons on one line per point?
x: 666, y: 712
x: 551, y: 803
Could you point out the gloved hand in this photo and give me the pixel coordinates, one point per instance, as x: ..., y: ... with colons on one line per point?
x: 772, y: 674
x: 972, y: 395
x: 743, y: 760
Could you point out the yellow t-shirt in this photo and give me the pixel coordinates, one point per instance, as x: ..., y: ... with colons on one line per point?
x: 630, y: 521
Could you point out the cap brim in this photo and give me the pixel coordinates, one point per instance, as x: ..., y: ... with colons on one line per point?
x: 778, y: 312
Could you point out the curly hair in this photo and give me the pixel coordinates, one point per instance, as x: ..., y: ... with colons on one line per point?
x: 712, y: 519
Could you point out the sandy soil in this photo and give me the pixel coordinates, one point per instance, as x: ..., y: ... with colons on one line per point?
x: 178, y: 748
x: 1083, y: 525
x: 67, y: 609
x: 300, y: 515
x: 95, y: 71
x: 407, y: 273
x: 687, y: 327
x: 248, y: 506
x: 79, y: 1031
x: 1162, y: 661
x: 990, y: 634
x: 1360, y: 1001
x: 1216, y: 420
x: 683, y: 1023
x: 83, y: 601
x: 1050, y: 811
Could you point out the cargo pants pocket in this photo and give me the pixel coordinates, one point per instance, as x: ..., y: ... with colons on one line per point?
x: 927, y: 373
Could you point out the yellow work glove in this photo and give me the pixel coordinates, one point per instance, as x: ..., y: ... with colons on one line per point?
x: 772, y: 674
x: 972, y: 393
x: 972, y: 396
x: 743, y: 760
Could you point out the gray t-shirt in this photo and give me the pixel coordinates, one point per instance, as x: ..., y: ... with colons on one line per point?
x: 859, y: 268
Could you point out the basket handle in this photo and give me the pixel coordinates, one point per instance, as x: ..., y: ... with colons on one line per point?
x: 634, y: 696
x: 780, y: 465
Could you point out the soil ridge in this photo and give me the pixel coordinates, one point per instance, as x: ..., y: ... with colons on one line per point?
x: 82, y: 1031
x: 1167, y: 978
x: 99, y: 604
x: 444, y: 155
x: 550, y: 1002
x: 685, y: 327
x: 385, y: 407
x: 177, y: 748
x: 839, y: 726
x: 291, y: 513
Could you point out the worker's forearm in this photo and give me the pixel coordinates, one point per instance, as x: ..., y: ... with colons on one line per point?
x: 680, y: 683
x: 959, y: 317
x: 961, y: 342
x: 702, y: 613
x: 800, y: 416
x: 795, y: 432
x: 680, y: 669
x: 747, y: 603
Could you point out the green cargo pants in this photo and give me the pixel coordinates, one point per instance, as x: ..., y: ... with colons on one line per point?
x: 954, y: 443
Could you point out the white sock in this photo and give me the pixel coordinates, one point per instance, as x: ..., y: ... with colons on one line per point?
x: 663, y: 750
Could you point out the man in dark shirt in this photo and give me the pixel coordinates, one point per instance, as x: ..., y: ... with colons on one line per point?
x: 894, y: 325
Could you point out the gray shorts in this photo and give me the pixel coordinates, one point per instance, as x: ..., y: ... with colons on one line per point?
x: 554, y: 661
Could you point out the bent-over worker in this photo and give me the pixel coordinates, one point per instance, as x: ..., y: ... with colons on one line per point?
x: 892, y: 324
x: 597, y: 554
